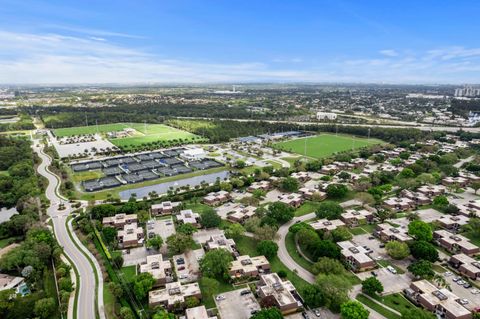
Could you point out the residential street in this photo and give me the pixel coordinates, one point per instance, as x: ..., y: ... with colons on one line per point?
x: 86, y: 289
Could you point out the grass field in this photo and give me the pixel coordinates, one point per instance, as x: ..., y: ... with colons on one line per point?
x: 324, y: 145
x: 143, y: 133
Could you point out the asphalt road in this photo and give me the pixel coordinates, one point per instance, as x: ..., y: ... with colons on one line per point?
x: 86, y: 291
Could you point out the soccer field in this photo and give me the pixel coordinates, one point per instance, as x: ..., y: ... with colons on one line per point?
x: 324, y: 145
x: 144, y: 133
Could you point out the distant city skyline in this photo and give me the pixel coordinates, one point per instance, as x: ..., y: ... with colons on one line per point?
x: 407, y: 42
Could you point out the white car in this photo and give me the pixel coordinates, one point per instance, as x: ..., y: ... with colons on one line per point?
x: 461, y: 282
x: 220, y: 297
x: 391, y: 269
x: 475, y: 291
x: 447, y: 274
x: 463, y: 301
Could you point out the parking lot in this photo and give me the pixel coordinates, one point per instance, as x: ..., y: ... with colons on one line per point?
x: 463, y: 293
x: 272, y: 196
x: 392, y: 283
x: 187, y: 265
x: 135, y: 256
x: 367, y: 240
x: 324, y: 314
x: 235, y: 306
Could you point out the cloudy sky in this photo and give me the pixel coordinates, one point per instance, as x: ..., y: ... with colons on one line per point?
x: 202, y: 41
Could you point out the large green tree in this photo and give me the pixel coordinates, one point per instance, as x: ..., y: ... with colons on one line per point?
x: 372, y: 286
x: 215, y: 263
x: 420, y: 230
x: 353, y: 310
x: 397, y: 250
x: 268, y: 313
x: 280, y: 212
x: 329, y: 210
x: 268, y: 248
x: 142, y: 284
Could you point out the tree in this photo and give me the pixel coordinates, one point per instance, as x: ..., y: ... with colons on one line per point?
x: 289, y: 184
x: 126, y: 313
x: 326, y: 265
x: 426, y: 178
x: 473, y: 227
x: 440, y: 201
x: 313, y: 166
x: 420, y: 230
x: 371, y: 286
x: 209, y: 286
x: 109, y: 234
x: 240, y: 164
x: 6, y: 302
x: 179, y: 243
x: 397, y: 250
x: 353, y: 310
x: 407, y: 173
x: 336, y: 191
x: 103, y: 210
x: 417, y: 313
x: 226, y: 186
x: 476, y: 186
x: 210, y: 219
x: 335, y: 290
x: 329, y: 210
x: 268, y: 313
x: 422, y: 269
x: 306, y: 236
x: 266, y: 232
x: 142, y: 284
x: 234, y: 231
x: 155, y: 242
x: 44, y: 308
x: 280, y: 212
x: 365, y: 198
x: 187, y: 229
x: 267, y: 248
x: 313, y: 296
x: 215, y: 263
x: 341, y: 234
x: 424, y: 250
x: 324, y: 248
x: 191, y: 302
x: 116, y: 289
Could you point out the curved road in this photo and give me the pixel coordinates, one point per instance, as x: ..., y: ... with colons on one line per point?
x: 86, y: 282
x: 306, y: 275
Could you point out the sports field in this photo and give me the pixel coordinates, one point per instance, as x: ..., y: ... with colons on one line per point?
x: 143, y: 133
x: 324, y: 145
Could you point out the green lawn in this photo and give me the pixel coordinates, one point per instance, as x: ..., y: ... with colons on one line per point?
x: 357, y: 231
x: 129, y: 273
x: 198, y: 207
x: 378, y: 308
x: 307, y: 208
x: 143, y: 133
x: 109, y: 302
x: 293, y: 252
x: 395, y: 301
x: 324, y: 145
x: 83, y: 176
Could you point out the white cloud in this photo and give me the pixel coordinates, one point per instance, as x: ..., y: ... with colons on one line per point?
x: 389, y: 52
x: 57, y: 58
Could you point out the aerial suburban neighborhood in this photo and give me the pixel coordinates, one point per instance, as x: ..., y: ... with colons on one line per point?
x: 239, y: 159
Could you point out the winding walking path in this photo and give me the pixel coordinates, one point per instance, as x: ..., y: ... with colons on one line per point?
x: 86, y: 285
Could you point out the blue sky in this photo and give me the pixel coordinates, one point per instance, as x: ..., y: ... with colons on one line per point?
x: 239, y: 41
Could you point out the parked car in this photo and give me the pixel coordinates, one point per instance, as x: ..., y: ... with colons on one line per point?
x: 245, y: 292
x: 391, y: 269
x: 220, y: 297
x: 374, y: 273
x: 475, y: 291
x: 467, y: 285
x: 463, y: 302
x: 447, y: 274
x: 455, y: 279
x: 317, y: 312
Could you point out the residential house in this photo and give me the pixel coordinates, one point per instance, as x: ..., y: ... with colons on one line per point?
x: 246, y: 266
x: 357, y: 257
x: 327, y: 225
x: 387, y: 232
x: 453, y: 223
x: 352, y: 217
x: 130, y: 236
x: 466, y: 265
x: 273, y: 291
x: 308, y: 193
x: 187, y: 216
x: 216, y: 198
x: 165, y: 208
x: 119, y: 220
x: 291, y: 199
x: 161, y: 270
x: 455, y: 243
x: 174, y: 294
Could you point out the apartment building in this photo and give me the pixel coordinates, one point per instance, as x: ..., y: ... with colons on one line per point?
x: 220, y: 241
x: 455, y: 243
x: 130, y: 236
x: 387, y: 232
x: 466, y: 265
x: 246, y: 266
x: 292, y: 199
x: 399, y: 203
x: 241, y: 213
x: 301, y: 176
x: 419, y: 198
x: 199, y: 312
x: 161, y: 270
x: 174, y: 294
x: 216, y: 198
x: 453, y: 223
x: 455, y: 181
x: 327, y: 225
x: 261, y: 185
x: 431, y: 190
x: 440, y: 301
x: 308, y: 193
x: 119, y: 220
x: 165, y: 208
x: 357, y: 257
x: 352, y: 217
x: 187, y: 216
x: 277, y: 293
